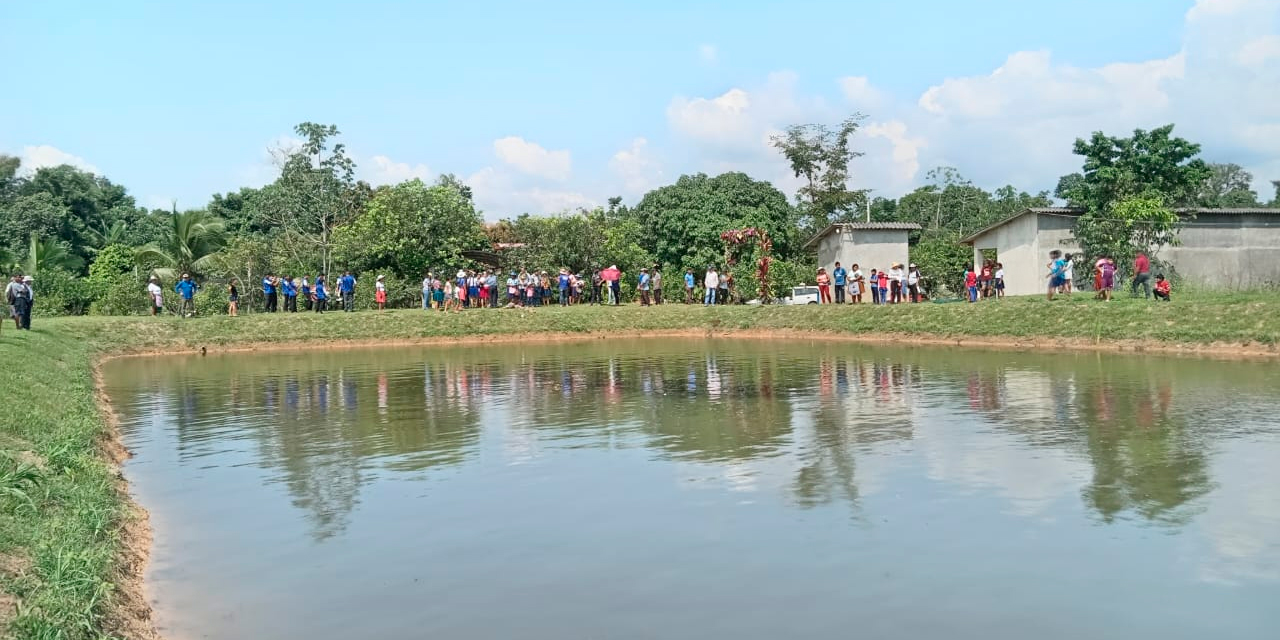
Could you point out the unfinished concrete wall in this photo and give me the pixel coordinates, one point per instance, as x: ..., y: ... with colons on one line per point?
x: 1017, y: 248
x: 1228, y: 251
x: 869, y: 248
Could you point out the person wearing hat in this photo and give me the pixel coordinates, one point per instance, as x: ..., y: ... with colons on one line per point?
x: 380, y: 292
x: 11, y: 290
x: 19, y: 293
x: 562, y: 287
x: 913, y: 282
x: 186, y: 290
x: 28, y: 283
x: 155, y: 294
x: 657, y: 284
x: 645, y: 286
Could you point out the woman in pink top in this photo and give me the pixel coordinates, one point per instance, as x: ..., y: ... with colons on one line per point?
x: 824, y: 287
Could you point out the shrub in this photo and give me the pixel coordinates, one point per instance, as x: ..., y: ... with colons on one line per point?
x: 59, y: 292
x: 117, y: 295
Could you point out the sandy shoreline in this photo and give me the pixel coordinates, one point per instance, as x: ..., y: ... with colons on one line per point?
x: 132, y: 616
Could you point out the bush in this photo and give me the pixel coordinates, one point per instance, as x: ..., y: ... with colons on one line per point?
x: 942, y: 262
x: 401, y: 294
x: 117, y: 295
x: 59, y: 292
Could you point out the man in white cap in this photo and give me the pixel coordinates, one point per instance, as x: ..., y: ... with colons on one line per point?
x: 913, y: 282
x: 28, y: 284
x: 155, y: 294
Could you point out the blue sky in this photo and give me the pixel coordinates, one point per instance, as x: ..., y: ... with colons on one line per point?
x: 547, y: 105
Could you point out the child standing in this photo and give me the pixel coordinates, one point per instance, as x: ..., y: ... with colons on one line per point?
x: 1108, y: 278
x: 380, y: 292
x: 874, y: 285
x: 971, y: 283
x: 884, y: 286
x: 1056, y: 265
x: 856, y: 281
x: 999, y: 280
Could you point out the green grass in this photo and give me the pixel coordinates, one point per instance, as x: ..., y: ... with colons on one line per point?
x: 61, y: 510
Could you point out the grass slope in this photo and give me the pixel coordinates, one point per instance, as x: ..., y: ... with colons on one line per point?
x: 62, y: 509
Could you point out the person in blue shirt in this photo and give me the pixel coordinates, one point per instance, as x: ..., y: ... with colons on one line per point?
x: 562, y: 285
x: 269, y: 293
x: 186, y: 290
x: 491, y: 281
x: 688, y: 286
x: 645, y: 286
x: 840, y: 278
x: 305, y: 292
x: 289, y: 287
x: 320, y: 294
x: 347, y: 288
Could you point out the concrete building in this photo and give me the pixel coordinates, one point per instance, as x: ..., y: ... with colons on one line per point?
x: 872, y: 245
x: 1229, y: 248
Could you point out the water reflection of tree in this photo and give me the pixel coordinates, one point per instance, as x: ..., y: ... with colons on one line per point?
x: 1145, y: 458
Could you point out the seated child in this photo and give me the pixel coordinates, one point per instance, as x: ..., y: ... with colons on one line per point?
x: 1162, y: 288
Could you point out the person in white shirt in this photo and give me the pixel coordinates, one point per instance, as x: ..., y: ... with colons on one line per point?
x: 999, y: 275
x: 1067, y: 274
x: 711, y: 282
x: 156, y: 294
x: 895, y: 283
x: 913, y: 282
x: 426, y: 292
x: 856, y: 282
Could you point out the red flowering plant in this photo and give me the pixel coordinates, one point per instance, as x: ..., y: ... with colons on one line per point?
x: 738, y: 241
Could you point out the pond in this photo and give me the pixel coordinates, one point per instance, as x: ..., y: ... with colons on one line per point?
x: 706, y: 489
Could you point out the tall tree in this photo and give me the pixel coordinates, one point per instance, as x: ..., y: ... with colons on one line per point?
x: 409, y: 228
x: 821, y: 157
x: 1228, y: 185
x: 49, y: 253
x: 1129, y: 188
x: 681, y: 223
x: 315, y: 193
x: 187, y: 246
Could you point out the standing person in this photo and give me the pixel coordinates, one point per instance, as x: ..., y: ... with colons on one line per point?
x: 380, y: 292
x: 873, y: 283
x: 1068, y: 273
x: 491, y: 283
x: 305, y: 291
x: 1162, y: 288
x: 999, y: 280
x: 233, y: 299
x: 688, y: 286
x: 1108, y: 278
x: 840, y: 278
x: 895, y: 283
x: 289, y: 287
x: 709, y: 284
x: 268, y: 293
x: 723, y: 294
x: 562, y: 286
x: 824, y: 286
x: 1056, y: 265
x: 1141, y: 276
x: 913, y: 282
x: 855, y: 284
x: 657, y: 284
x: 11, y: 292
x: 186, y: 290
x: 615, y: 285
x: 29, y: 293
x: 320, y: 294
x: 596, y: 282
x: 155, y: 294
x: 426, y: 291
x: 347, y: 290
x: 883, y: 286
x: 971, y: 283
x: 645, y: 284
x: 513, y: 290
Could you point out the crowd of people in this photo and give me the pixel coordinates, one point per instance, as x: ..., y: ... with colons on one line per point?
x: 1061, y: 277
x: 885, y: 286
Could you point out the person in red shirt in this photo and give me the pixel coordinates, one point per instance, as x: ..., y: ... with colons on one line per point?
x: 971, y: 283
x: 883, y: 285
x: 1162, y: 288
x: 824, y: 287
x: 1141, y: 276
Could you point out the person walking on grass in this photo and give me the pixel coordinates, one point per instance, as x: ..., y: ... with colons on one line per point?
x: 840, y: 279
x: 233, y: 299
x: 29, y: 289
x: 1162, y: 288
x: 186, y: 290
x: 380, y: 292
x: 1141, y: 276
x: 347, y: 289
x: 320, y: 294
x: 155, y: 294
x: 1056, y: 266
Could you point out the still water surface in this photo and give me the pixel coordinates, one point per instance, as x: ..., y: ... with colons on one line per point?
x: 706, y: 489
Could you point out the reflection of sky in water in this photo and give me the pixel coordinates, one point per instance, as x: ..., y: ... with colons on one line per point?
x: 996, y: 445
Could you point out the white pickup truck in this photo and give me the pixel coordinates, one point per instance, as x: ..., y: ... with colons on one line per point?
x: 802, y: 294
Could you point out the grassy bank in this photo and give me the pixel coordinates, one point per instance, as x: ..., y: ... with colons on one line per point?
x: 63, y: 509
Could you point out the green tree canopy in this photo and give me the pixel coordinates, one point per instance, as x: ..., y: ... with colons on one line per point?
x: 410, y: 228
x: 187, y: 245
x: 821, y: 157
x: 1228, y: 185
x: 1148, y: 164
x: 682, y: 223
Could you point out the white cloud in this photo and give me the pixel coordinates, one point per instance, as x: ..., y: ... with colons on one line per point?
x: 906, y: 148
x: 724, y: 119
x: 1260, y: 51
x: 383, y: 170
x: 533, y: 159
x: 553, y: 201
x: 501, y: 194
x: 637, y: 167
x: 39, y: 156
x: 858, y: 92
x: 708, y: 54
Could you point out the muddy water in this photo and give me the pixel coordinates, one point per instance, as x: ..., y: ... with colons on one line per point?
x: 706, y: 489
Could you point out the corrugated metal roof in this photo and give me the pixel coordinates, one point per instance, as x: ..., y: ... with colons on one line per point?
x: 1072, y: 211
x: 862, y: 226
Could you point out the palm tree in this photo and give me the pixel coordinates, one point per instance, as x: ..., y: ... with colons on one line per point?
x: 104, y: 235
x: 188, y: 244
x: 49, y: 254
